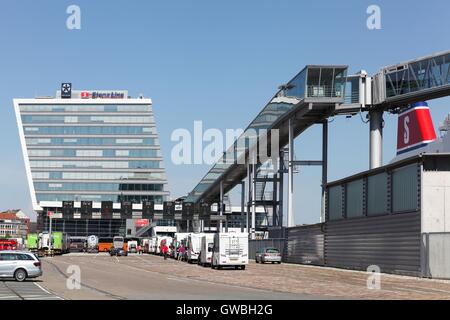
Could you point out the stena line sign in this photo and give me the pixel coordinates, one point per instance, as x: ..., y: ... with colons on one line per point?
x: 103, y: 95
x: 97, y: 94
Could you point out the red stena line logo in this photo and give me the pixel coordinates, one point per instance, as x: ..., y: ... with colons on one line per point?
x: 415, y: 128
x: 101, y: 95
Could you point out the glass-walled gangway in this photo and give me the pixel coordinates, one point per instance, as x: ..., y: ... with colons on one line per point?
x: 315, y: 85
x: 416, y: 80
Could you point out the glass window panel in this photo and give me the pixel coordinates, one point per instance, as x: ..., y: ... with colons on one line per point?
x: 355, y: 199
x: 377, y: 194
x: 335, y: 202
x: 405, y: 189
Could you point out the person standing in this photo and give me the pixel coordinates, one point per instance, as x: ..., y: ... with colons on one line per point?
x: 181, y: 252
x: 165, y: 251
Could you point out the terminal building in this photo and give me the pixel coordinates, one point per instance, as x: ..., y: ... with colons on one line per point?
x: 88, y: 150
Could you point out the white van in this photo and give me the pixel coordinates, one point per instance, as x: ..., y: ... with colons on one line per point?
x: 179, y: 239
x: 207, y: 244
x: 153, y: 244
x: 194, y: 243
x: 160, y: 240
x: 230, y: 250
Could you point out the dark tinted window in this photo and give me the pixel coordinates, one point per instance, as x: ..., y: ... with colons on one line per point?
x: 15, y: 256
x: 25, y: 257
x: 7, y: 256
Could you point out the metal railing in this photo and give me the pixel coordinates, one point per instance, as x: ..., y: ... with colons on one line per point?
x: 324, y: 92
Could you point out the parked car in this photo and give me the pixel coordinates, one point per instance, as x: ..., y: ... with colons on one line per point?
x: 19, y: 265
x: 270, y: 254
x: 118, y: 252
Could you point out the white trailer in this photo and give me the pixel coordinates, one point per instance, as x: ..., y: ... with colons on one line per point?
x: 153, y: 245
x: 145, y: 245
x: 230, y: 250
x: 92, y: 244
x: 44, y: 241
x: 194, y: 243
x: 179, y: 239
x: 161, y: 239
x: 207, y: 244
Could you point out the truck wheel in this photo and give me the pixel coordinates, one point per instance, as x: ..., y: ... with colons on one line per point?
x: 242, y: 267
x: 20, y: 275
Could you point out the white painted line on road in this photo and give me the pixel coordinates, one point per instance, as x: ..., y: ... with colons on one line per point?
x: 46, y: 291
x: 177, y: 279
x: 117, y: 258
x: 42, y: 288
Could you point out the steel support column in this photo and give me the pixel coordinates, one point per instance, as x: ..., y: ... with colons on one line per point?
x: 376, y: 139
x: 290, y: 217
x: 254, y: 173
x: 242, y: 204
x: 249, y: 197
x: 221, y: 206
x: 324, y: 167
x: 281, y: 189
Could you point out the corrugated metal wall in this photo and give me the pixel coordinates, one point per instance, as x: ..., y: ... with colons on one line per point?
x: 391, y: 242
x: 305, y: 245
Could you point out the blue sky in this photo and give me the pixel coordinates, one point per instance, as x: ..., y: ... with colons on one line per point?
x: 218, y: 62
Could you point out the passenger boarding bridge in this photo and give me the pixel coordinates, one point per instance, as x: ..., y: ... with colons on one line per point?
x: 311, y: 97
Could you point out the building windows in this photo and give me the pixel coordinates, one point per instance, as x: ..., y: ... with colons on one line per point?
x: 77, y: 186
x: 89, y: 153
x: 82, y: 151
x: 137, y: 164
x: 40, y: 119
x: 122, y: 153
x: 68, y: 130
x: 85, y: 108
x: 99, y: 197
x: 90, y: 141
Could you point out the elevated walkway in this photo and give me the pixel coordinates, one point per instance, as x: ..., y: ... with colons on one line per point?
x: 309, y: 98
x: 416, y: 80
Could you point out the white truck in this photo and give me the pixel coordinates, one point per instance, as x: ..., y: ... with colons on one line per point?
x: 153, y: 245
x: 161, y: 239
x: 44, y: 241
x: 92, y: 244
x: 194, y: 242
x: 179, y: 239
x: 146, y: 245
x: 207, y: 244
x: 132, y: 246
x: 230, y: 250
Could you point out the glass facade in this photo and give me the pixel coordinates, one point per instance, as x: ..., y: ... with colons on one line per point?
x: 93, y: 151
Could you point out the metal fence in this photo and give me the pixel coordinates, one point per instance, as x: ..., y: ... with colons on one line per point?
x: 255, y: 245
x: 436, y: 255
x: 305, y: 245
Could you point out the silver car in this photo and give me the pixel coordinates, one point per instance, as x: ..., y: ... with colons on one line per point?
x: 268, y: 255
x: 19, y: 265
